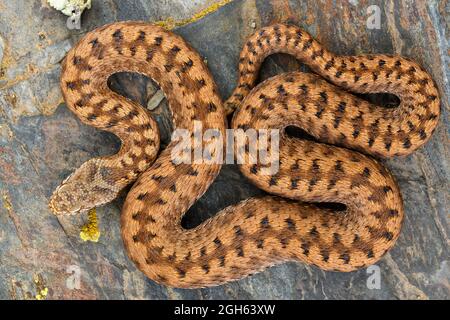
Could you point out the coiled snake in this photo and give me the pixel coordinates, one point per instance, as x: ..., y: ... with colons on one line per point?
x: 259, y: 232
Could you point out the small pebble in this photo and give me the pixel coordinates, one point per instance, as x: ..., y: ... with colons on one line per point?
x: 155, y: 100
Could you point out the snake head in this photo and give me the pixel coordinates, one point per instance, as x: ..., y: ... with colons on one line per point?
x: 83, y: 190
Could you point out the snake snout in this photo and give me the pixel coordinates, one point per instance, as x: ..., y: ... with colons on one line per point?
x: 63, y: 202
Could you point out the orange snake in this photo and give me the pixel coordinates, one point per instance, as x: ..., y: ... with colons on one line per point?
x: 259, y: 232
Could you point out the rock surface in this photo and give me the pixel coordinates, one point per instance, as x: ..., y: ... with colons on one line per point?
x: 41, y: 144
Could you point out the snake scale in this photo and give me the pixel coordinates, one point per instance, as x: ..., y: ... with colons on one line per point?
x: 258, y: 232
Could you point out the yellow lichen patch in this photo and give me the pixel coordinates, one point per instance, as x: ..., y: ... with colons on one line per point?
x: 7, y: 202
x: 11, y: 99
x: 42, y: 294
x: 171, y: 23
x: 41, y: 289
x: 90, y: 231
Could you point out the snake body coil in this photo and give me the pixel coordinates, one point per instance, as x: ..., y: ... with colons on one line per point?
x: 259, y: 232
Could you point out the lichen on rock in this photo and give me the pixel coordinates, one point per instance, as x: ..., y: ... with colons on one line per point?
x: 90, y: 231
x: 2, y: 46
x: 171, y: 23
x: 69, y: 7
